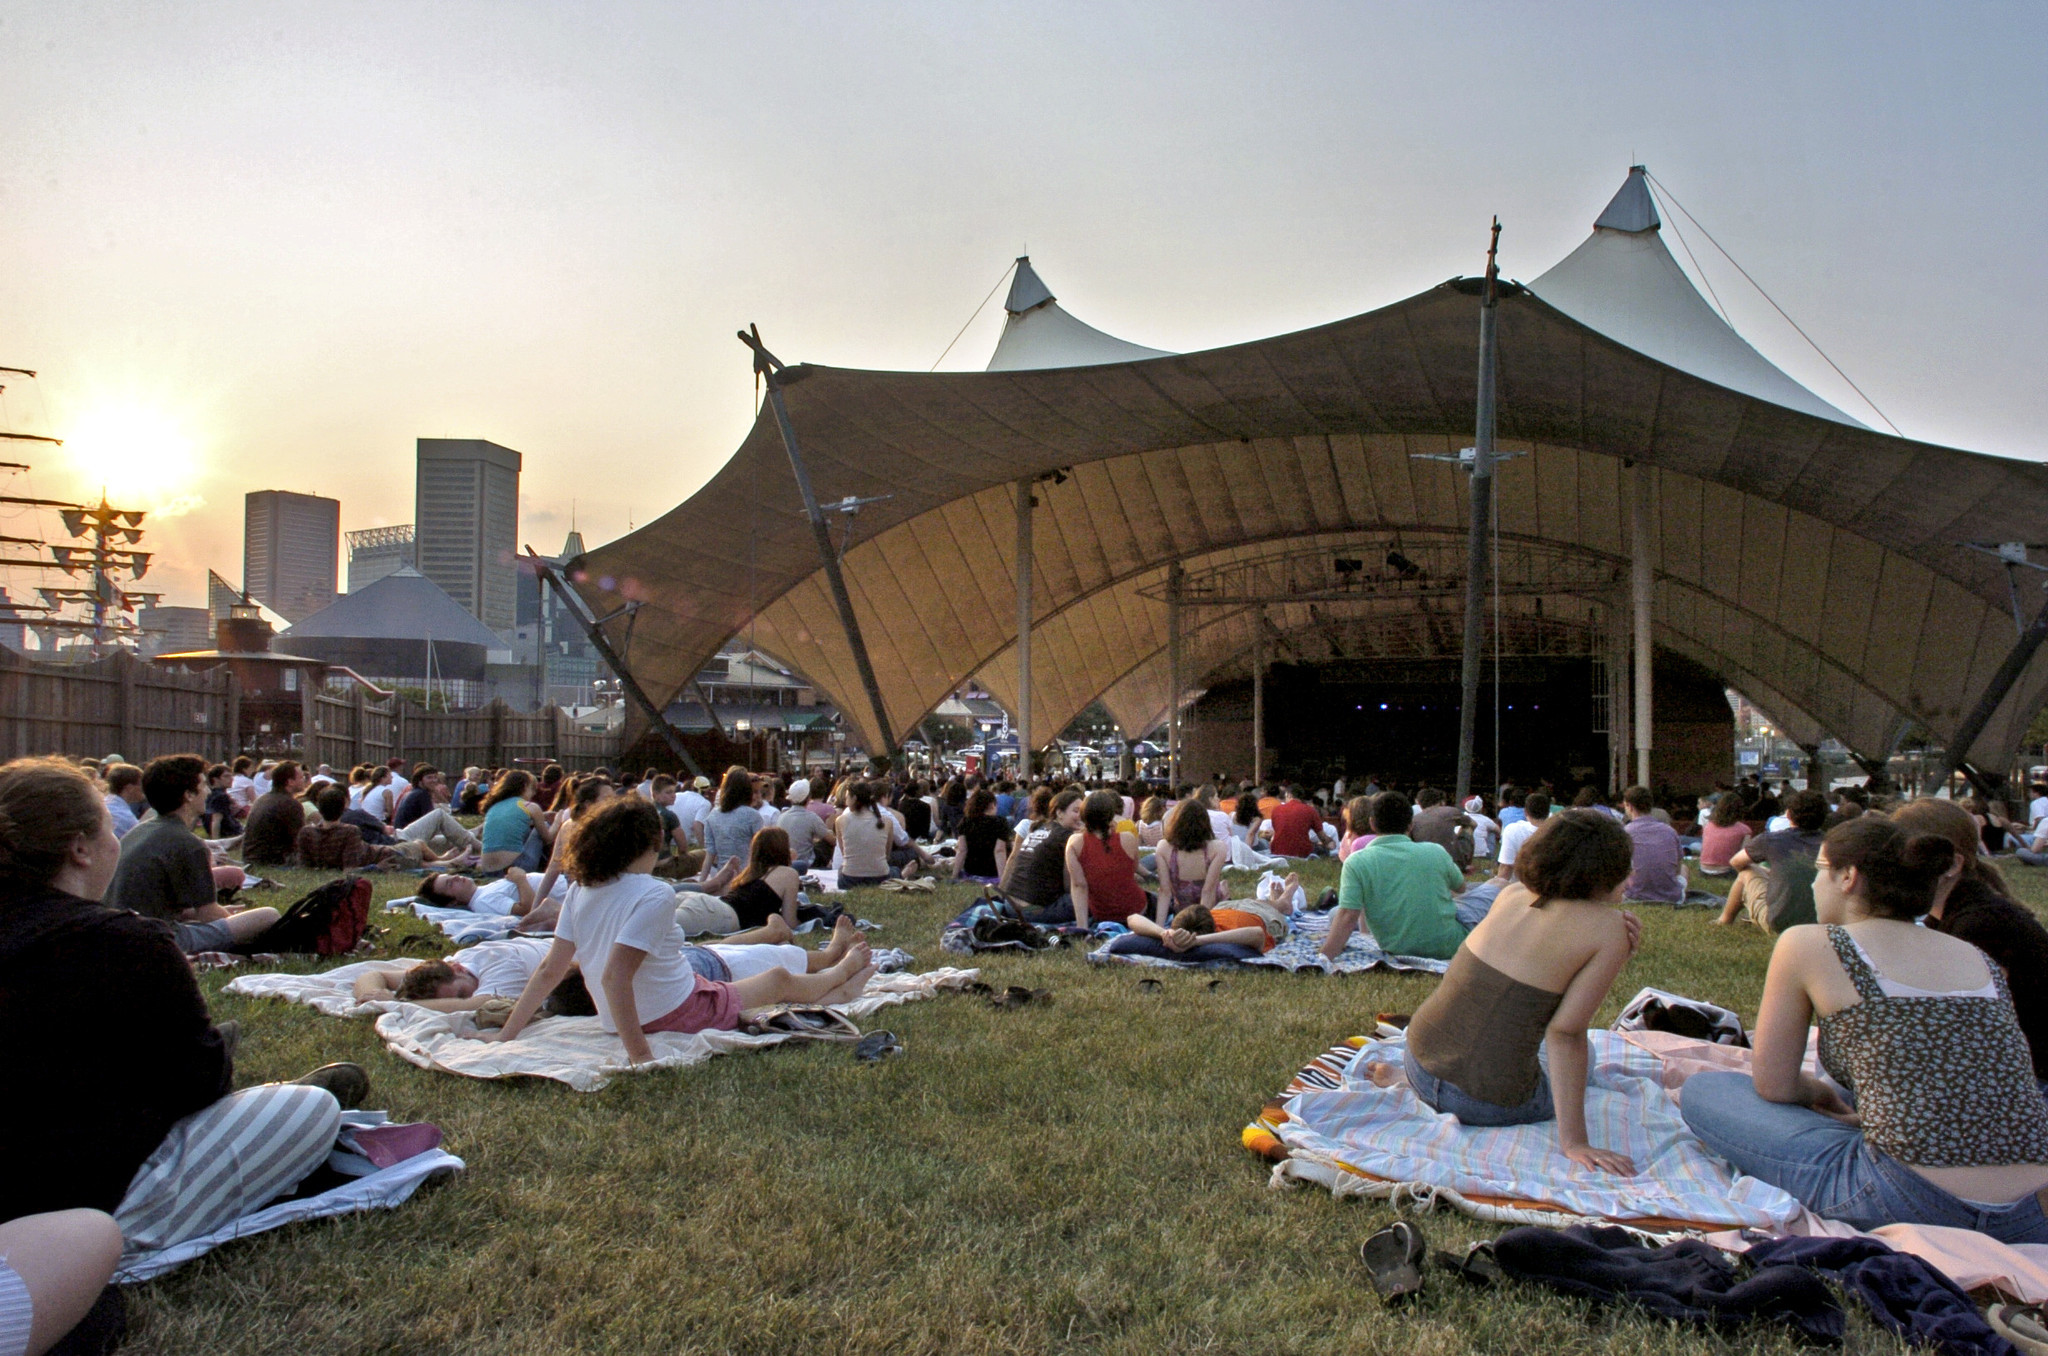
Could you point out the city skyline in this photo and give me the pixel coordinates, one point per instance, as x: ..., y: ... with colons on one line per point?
x: 299, y: 242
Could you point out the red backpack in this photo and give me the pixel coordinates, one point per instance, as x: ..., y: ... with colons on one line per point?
x: 327, y: 922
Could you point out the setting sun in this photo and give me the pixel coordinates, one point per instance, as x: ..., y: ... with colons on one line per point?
x: 135, y: 453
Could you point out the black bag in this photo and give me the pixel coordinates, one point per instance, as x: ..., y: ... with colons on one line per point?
x: 327, y: 922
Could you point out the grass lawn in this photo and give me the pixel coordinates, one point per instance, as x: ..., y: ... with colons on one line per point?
x: 1048, y: 1179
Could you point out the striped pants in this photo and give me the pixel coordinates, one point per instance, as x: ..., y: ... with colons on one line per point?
x: 226, y: 1161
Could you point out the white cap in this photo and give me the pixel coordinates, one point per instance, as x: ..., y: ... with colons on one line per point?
x: 800, y: 791
x: 1475, y: 804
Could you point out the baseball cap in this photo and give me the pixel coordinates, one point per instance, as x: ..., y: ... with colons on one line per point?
x: 799, y: 791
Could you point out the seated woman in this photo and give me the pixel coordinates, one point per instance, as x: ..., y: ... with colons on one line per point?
x: 623, y: 916
x: 1246, y: 820
x: 585, y: 795
x: 1948, y: 1125
x: 985, y: 841
x: 1151, y: 822
x: 1722, y: 836
x: 767, y: 888
x: 1191, y: 860
x: 1102, y: 865
x: 1358, y: 827
x: 1528, y: 978
x: 515, y: 830
x: 139, y: 1117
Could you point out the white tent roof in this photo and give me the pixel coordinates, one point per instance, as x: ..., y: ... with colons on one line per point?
x: 1624, y: 283
x: 1038, y: 334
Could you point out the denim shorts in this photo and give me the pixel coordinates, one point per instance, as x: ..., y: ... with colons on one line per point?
x: 1452, y: 1100
x: 708, y: 964
x: 194, y: 938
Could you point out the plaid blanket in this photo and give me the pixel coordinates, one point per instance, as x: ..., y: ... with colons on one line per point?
x: 1331, y: 1126
x: 1303, y: 950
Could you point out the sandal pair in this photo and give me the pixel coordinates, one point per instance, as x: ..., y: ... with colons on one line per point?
x: 1393, y: 1259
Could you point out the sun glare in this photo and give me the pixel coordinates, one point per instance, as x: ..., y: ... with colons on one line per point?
x: 137, y: 454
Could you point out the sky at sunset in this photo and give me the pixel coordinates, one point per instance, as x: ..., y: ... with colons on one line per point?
x: 266, y: 246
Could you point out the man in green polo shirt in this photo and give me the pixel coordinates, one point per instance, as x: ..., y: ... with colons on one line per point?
x: 1404, y: 889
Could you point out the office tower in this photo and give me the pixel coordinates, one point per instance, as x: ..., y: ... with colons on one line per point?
x: 466, y: 525
x: 290, y: 544
x: 375, y: 552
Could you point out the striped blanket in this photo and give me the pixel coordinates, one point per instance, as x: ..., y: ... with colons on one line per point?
x: 1331, y: 1126
x: 1303, y: 950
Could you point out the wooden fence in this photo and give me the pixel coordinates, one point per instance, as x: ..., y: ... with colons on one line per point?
x: 115, y: 705
x: 127, y: 706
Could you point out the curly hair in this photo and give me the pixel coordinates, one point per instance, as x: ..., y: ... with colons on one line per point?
x: 613, y: 837
x: 423, y: 982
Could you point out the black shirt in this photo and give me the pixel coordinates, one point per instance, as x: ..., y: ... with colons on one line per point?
x: 220, y: 814
x: 2012, y: 936
x: 979, y: 835
x: 375, y: 831
x: 1040, y: 876
x: 414, y: 804
x: 113, y: 1045
x: 917, y: 816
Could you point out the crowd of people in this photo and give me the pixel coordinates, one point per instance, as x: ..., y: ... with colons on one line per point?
x: 1896, y: 935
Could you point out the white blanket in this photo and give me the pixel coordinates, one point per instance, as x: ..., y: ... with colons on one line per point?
x: 1358, y: 1139
x: 372, y: 1189
x: 330, y: 991
x: 576, y: 1050
x: 462, y: 926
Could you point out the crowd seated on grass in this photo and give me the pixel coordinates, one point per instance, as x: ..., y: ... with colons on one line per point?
x: 1774, y: 870
x: 516, y: 831
x: 165, y: 870
x: 137, y: 1117
x: 1406, y: 892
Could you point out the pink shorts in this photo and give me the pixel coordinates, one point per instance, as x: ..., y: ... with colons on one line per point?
x: 711, y: 1006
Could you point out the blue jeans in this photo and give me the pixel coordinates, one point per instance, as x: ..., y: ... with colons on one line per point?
x: 1831, y: 1170
x: 532, y: 853
x: 1453, y: 1100
x: 2029, y: 857
x: 1476, y: 903
x: 1134, y: 944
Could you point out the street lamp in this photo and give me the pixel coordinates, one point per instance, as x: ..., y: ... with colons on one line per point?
x: 744, y: 728
x: 838, y: 754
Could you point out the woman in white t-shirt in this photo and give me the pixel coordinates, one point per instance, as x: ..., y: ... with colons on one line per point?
x: 619, y: 911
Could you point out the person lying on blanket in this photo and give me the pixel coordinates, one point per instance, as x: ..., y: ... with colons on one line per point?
x: 620, y: 913
x: 513, y: 895
x: 1530, y: 976
x: 477, y: 974
x: 1227, y: 932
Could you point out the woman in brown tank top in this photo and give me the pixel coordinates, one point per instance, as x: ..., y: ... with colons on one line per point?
x: 1530, y: 976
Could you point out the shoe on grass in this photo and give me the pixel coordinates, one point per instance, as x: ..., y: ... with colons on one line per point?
x: 349, y: 1083
x: 1393, y: 1258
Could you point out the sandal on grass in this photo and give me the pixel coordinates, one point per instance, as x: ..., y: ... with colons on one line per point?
x: 1476, y: 1267
x: 1393, y: 1259
x: 1017, y: 996
x: 2020, y: 1324
x: 877, y: 1046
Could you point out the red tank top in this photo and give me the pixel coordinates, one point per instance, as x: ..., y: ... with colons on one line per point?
x: 1113, y: 893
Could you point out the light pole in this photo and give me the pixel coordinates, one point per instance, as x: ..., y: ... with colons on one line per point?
x: 744, y: 728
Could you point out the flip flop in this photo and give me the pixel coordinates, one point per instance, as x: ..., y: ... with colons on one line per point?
x: 877, y: 1046
x: 1393, y: 1258
x: 2020, y: 1324
x: 1476, y: 1267
x: 1017, y: 996
x: 1149, y: 985
x: 1214, y: 985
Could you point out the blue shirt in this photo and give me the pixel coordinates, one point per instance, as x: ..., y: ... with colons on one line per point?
x: 1006, y: 805
x: 123, y: 815
x: 1510, y: 814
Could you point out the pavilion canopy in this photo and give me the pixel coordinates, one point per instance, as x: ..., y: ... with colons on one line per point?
x: 1810, y: 561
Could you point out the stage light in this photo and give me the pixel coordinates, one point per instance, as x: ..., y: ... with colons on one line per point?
x: 1347, y: 567
x: 1403, y: 566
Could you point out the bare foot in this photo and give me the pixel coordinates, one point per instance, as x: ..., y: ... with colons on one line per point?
x: 1281, y: 891
x: 1386, y: 1075
x: 776, y: 931
x: 854, y: 986
x: 844, y: 934
x: 723, y: 877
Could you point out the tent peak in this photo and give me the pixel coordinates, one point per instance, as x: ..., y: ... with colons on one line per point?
x: 1027, y: 290
x: 1632, y: 209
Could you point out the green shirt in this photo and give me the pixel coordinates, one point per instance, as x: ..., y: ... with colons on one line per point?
x: 1405, y: 889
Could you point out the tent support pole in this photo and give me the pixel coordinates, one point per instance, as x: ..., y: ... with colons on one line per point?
x: 1025, y: 747
x: 1477, y: 555
x: 1641, y: 583
x: 1259, y: 697
x: 777, y: 376
x: 1173, y: 585
x: 2001, y: 684
x: 595, y: 633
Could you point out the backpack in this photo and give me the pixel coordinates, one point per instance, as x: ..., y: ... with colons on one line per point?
x: 327, y: 922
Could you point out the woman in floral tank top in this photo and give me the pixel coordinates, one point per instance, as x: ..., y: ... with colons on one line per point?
x: 1931, y: 1114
